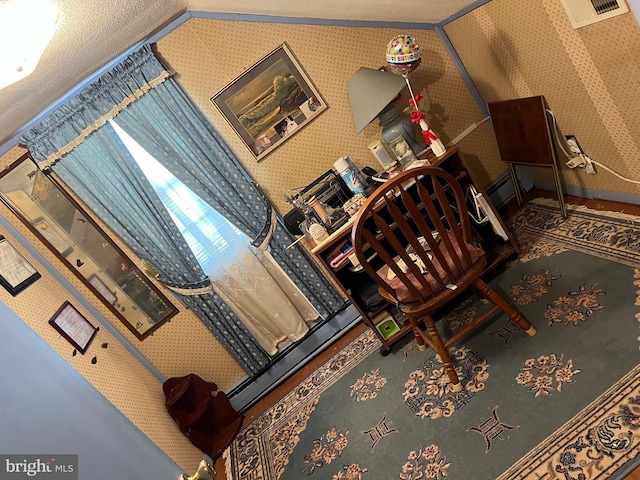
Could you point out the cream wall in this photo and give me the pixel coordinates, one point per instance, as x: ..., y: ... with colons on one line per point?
x: 589, y: 76
x: 181, y: 346
x: 209, y: 54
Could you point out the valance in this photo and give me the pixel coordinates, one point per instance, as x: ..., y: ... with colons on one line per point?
x: 70, y: 124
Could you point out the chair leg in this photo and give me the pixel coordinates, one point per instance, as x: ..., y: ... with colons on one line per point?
x: 416, y: 333
x: 441, y: 350
x: 433, y: 339
x: 483, y: 290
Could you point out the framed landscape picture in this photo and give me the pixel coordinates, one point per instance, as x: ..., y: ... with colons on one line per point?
x: 269, y: 102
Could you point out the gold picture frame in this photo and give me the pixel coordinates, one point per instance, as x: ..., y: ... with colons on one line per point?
x: 270, y: 102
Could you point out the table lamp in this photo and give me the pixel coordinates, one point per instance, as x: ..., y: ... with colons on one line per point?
x: 371, y: 92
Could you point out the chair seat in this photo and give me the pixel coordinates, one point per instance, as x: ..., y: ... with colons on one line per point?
x: 405, y: 296
x: 413, y: 237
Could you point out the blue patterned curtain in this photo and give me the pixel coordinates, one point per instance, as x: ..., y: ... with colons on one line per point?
x: 168, y: 126
x: 70, y: 124
x: 113, y: 186
x: 155, y: 112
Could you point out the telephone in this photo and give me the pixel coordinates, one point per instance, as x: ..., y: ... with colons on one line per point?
x: 340, y: 253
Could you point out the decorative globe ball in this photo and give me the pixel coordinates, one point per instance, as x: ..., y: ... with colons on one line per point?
x: 403, y: 49
x: 402, y: 68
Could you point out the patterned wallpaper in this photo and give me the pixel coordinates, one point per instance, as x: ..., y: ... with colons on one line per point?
x: 589, y: 76
x: 199, y: 52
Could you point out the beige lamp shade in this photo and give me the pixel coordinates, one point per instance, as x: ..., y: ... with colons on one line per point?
x: 370, y: 91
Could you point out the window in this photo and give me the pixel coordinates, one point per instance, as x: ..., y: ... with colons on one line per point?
x: 206, y: 231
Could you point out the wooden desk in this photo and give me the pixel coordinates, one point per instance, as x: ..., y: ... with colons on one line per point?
x: 356, y: 283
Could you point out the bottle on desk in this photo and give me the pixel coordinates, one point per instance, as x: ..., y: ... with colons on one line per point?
x: 350, y: 174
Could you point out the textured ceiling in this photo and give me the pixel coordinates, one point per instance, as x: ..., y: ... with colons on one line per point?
x: 93, y: 33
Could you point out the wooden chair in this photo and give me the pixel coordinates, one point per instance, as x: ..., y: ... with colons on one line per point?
x: 203, y: 413
x: 413, y: 237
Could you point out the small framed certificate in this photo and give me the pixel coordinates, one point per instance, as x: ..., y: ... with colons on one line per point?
x: 73, y: 326
x: 16, y: 273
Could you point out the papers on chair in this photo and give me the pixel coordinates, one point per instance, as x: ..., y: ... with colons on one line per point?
x: 483, y: 213
x: 404, y: 268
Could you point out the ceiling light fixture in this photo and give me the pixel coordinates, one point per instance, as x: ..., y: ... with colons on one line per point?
x: 26, y: 27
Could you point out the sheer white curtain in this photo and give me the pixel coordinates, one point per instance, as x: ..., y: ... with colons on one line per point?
x: 247, y: 278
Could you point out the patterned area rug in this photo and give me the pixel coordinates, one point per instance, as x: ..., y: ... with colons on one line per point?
x: 564, y: 404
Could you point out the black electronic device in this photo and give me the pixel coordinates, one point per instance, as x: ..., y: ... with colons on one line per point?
x: 369, y: 171
x: 292, y: 220
x: 329, y: 188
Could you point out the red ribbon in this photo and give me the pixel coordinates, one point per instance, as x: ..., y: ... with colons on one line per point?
x: 429, y: 136
x: 417, y: 102
x: 416, y: 116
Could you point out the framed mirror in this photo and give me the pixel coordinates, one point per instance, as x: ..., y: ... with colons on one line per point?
x: 79, y: 242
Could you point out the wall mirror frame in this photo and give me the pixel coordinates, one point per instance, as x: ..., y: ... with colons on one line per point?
x: 42, y: 203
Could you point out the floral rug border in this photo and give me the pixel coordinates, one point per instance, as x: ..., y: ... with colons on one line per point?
x: 611, y: 235
x: 595, y: 443
x: 581, y: 446
x: 252, y: 450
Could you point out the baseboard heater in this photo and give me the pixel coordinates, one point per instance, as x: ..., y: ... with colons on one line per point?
x: 284, y: 364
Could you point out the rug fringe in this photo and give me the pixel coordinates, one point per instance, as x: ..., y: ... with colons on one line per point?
x: 226, y: 455
x: 549, y: 202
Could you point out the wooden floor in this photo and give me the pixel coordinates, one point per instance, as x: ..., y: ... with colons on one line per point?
x: 595, y: 204
x: 508, y: 211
